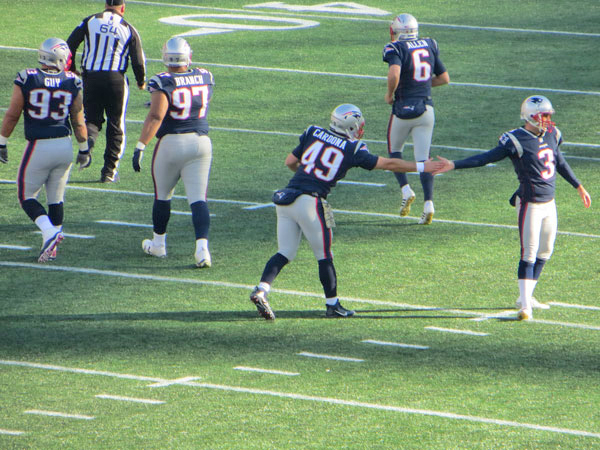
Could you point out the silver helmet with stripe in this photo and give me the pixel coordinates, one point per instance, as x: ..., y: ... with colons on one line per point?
x: 404, y: 27
x: 537, y: 111
x: 54, y: 52
x: 177, y: 53
x: 347, y: 120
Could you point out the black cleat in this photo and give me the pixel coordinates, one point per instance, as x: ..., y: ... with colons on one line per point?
x: 259, y: 298
x: 338, y: 310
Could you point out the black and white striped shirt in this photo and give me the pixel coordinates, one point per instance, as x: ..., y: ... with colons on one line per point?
x: 110, y: 41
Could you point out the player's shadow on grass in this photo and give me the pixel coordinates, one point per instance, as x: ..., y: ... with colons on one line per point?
x: 228, y: 316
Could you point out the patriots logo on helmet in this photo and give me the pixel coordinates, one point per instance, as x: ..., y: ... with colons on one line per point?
x: 536, y: 100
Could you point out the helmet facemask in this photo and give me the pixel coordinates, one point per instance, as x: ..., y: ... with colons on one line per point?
x: 537, y: 111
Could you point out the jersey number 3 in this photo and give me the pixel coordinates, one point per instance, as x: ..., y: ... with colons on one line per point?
x: 547, y: 158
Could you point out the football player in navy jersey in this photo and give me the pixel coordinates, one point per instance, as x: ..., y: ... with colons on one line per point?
x: 414, y: 67
x: 177, y: 116
x: 48, y: 97
x: 533, y: 150
x: 320, y: 160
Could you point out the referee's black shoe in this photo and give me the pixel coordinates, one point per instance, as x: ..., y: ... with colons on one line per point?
x: 338, y: 310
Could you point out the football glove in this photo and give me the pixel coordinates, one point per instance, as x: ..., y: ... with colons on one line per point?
x: 84, y: 159
x: 138, y: 155
x: 3, y: 154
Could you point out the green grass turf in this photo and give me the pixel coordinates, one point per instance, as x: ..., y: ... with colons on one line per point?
x: 104, y: 310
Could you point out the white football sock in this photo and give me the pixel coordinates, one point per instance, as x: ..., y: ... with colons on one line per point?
x: 264, y: 286
x: 201, y: 244
x: 48, y: 230
x: 159, y: 240
x: 526, y: 291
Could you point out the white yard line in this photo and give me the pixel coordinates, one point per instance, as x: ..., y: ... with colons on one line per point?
x: 74, y: 236
x: 396, y: 344
x: 254, y: 205
x: 332, y: 357
x: 333, y: 401
x: 124, y: 224
x: 451, y: 330
x: 11, y: 432
x: 271, y: 371
x: 361, y: 76
x: 130, y: 399
x: 386, y: 21
x: 14, y: 247
x: 40, y: 412
x: 247, y: 287
x: 570, y: 305
x: 165, y: 383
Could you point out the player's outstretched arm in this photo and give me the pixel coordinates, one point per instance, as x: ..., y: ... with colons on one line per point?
x: 401, y: 165
x: 585, y: 197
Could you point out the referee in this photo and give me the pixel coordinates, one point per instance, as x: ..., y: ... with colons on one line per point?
x: 110, y: 42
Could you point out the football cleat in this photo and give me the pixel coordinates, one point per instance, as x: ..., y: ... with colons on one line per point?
x: 52, y: 256
x: 338, y: 310
x: 525, y: 314
x: 105, y: 178
x: 427, y: 215
x: 534, y: 304
x: 406, y: 202
x: 49, y: 246
x: 203, y: 259
x: 259, y: 298
x: 154, y: 250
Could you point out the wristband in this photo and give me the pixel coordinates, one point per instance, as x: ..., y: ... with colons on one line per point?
x: 83, y: 147
x: 420, y: 167
x: 140, y: 146
x: 3, y: 140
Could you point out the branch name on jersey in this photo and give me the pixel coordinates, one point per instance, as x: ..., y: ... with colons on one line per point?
x: 48, y: 97
x: 325, y: 158
x: 189, y: 95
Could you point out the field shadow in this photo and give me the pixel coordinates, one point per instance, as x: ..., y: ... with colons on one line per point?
x: 231, y: 316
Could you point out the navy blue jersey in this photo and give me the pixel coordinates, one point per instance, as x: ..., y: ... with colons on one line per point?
x: 325, y: 157
x: 48, y: 97
x: 189, y: 95
x: 536, y: 160
x: 419, y: 60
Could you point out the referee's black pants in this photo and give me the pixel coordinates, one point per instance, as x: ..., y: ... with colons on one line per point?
x: 107, y: 93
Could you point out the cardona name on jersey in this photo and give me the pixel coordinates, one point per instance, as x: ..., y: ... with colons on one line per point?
x: 323, y: 136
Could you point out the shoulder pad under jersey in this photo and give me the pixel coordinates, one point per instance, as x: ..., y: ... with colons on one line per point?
x: 509, y: 136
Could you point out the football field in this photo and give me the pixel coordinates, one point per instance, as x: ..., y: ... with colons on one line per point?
x: 109, y: 348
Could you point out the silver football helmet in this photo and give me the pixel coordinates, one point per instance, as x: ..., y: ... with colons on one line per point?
x: 404, y: 27
x: 537, y: 110
x: 347, y: 120
x: 54, y: 52
x: 176, y: 53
